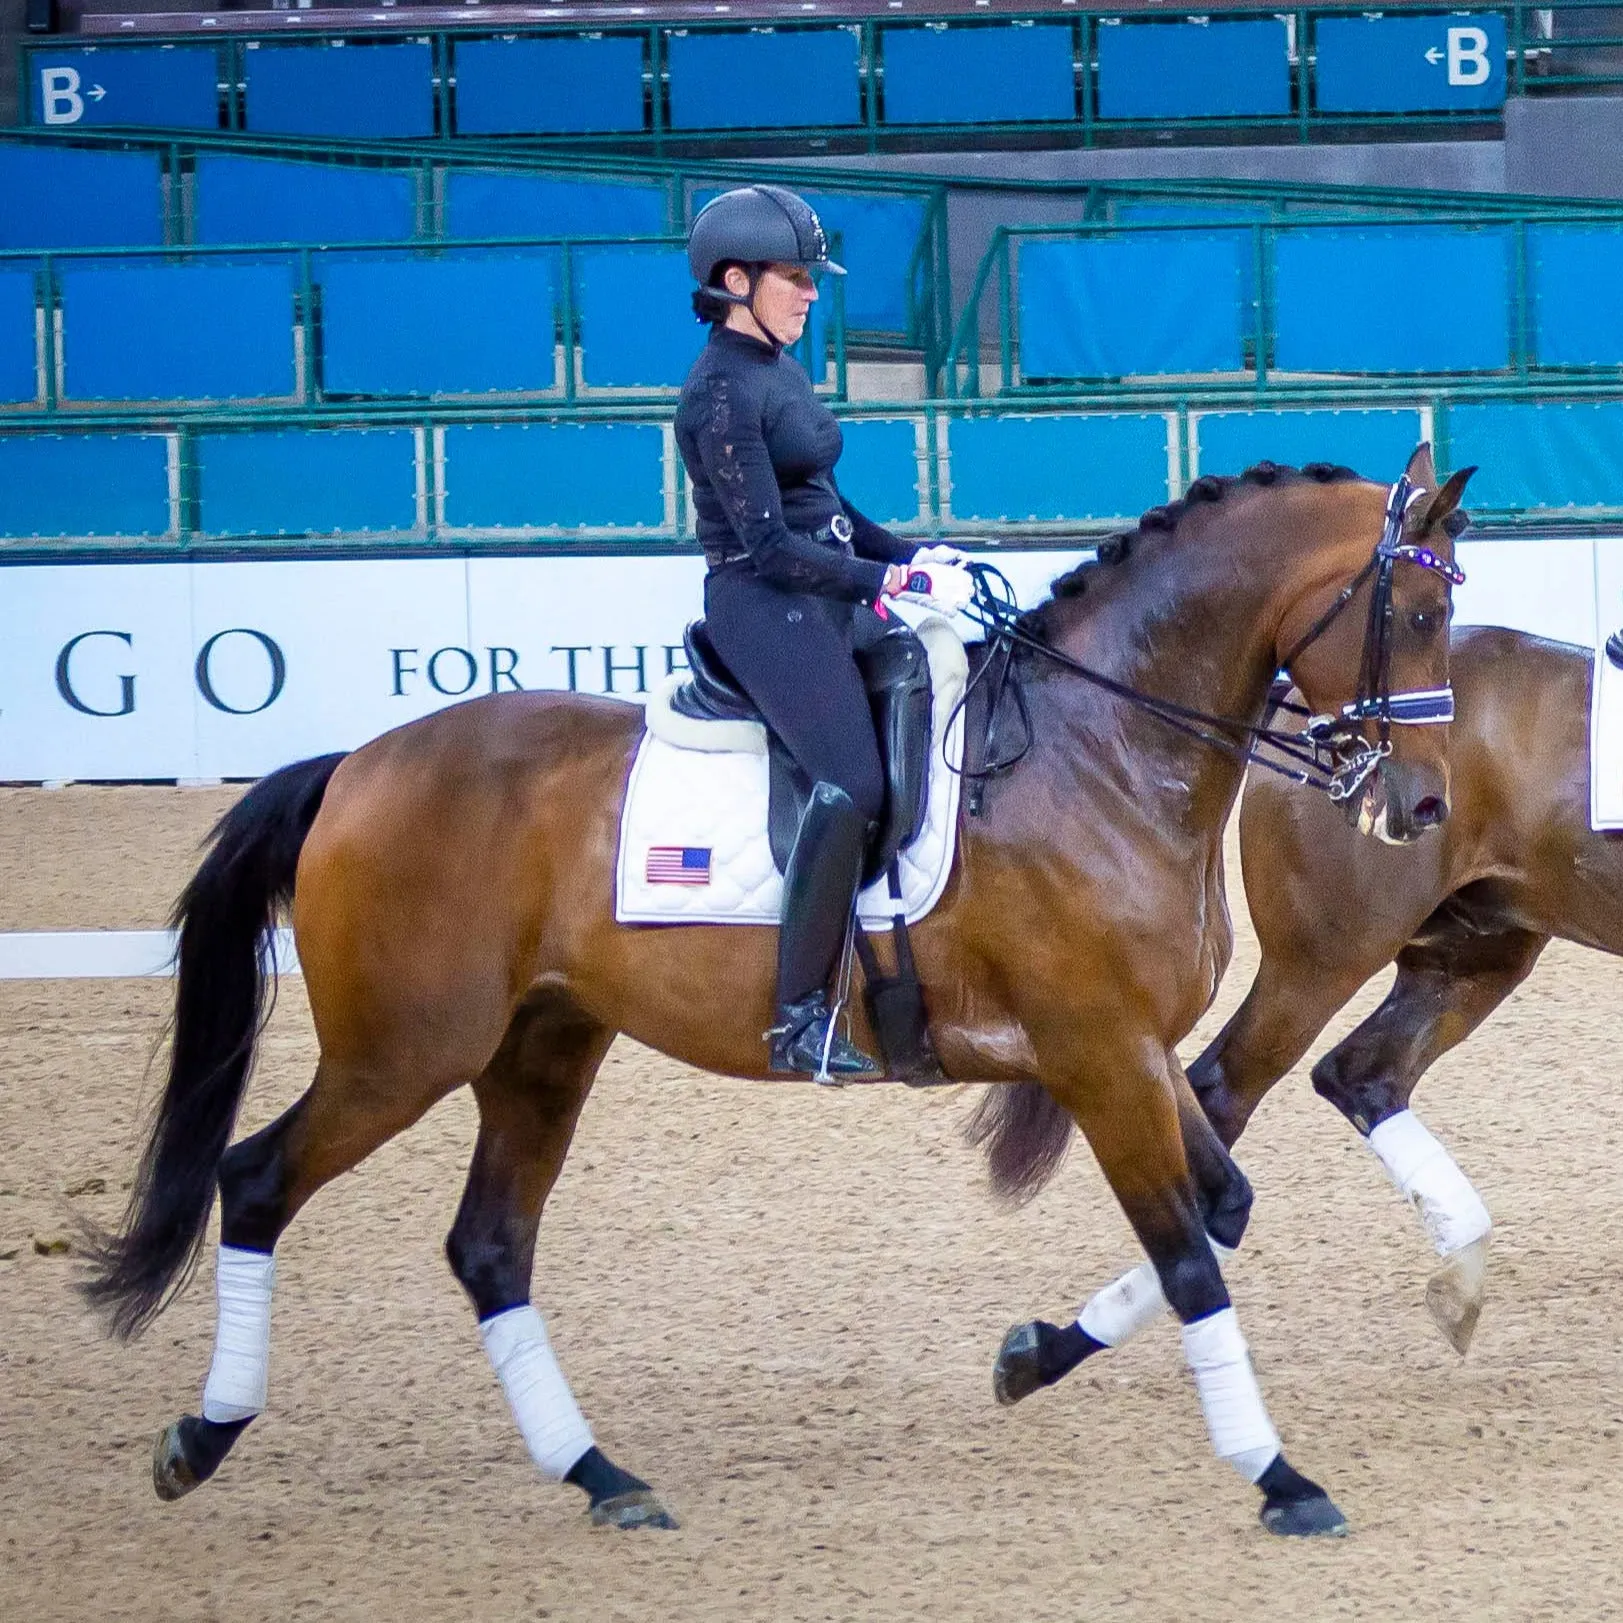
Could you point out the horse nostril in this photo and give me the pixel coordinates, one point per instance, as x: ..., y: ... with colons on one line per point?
x: 1430, y: 811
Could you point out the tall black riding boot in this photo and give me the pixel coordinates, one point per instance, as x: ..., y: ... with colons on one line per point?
x: 819, y: 888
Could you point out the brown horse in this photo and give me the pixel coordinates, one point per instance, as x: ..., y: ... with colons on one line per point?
x: 451, y: 888
x: 1465, y: 915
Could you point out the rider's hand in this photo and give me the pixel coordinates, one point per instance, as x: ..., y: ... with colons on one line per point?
x: 946, y: 588
x: 895, y: 580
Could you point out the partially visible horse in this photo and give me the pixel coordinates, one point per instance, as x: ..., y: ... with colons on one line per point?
x: 1465, y: 915
x: 452, y: 890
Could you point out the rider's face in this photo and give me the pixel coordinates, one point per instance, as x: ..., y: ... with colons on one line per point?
x: 783, y: 296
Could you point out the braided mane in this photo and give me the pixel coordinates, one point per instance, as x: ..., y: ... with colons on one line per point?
x: 1158, y: 521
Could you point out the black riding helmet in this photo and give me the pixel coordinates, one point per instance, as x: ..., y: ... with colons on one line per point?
x: 757, y: 225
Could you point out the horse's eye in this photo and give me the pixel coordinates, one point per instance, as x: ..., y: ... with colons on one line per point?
x: 1425, y: 621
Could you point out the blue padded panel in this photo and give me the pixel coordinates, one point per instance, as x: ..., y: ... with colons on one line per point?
x: 369, y: 90
x: 1194, y: 70
x: 479, y: 203
x: 1408, y: 299
x: 241, y: 199
x: 555, y: 476
x: 624, y: 298
x: 308, y: 482
x: 456, y: 323
x: 65, y: 485
x: 70, y: 197
x: 1548, y: 455
x: 207, y: 331
x: 548, y: 86
x: 877, y: 238
x: 978, y: 75
x: 1450, y: 64
x: 170, y: 86
x: 878, y: 471
x: 1573, y: 276
x: 1186, y: 311
x: 1024, y: 469
x: 801, y: 76
x: 1377, y: 443
x: 19, y: 376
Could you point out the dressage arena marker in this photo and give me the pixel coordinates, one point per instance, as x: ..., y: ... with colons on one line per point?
x: 71, y: 955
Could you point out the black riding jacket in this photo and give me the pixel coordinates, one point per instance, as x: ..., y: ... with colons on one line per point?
x: 760, y: 449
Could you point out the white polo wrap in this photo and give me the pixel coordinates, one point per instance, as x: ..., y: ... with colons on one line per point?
x: 243, y: 1281
x: 555, y: 1431
x: 1236, y: 1417
x: 1427, y: 1175
x: 1133, y: 1303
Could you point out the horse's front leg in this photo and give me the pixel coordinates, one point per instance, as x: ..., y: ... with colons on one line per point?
x: 1039, y: 1354
x: 1125, y: 1098
x: 1445, y: 989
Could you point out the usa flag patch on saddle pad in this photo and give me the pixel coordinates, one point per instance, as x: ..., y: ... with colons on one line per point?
x: 678, y: 865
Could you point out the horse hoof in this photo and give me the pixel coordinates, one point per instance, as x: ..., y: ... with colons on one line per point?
x: 1454, y: 1293
x: 172, y: 1477
x: 1314, y: 1517
x: 640, y: 1508
x: 1018, y: 1370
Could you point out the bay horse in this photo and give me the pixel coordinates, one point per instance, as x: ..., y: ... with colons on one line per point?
x: 1465, y: 916
x: 451, y: 888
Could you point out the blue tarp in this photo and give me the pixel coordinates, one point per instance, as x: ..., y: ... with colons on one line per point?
x: 878, y: 470
x: 555, y: 476
x: 779, y: 80
x: 1194, y: 70
x: 1377, y: 443
x: 978, y: 74
x: 339, y: 89
x: 63, y: 486
x: 239, y: 199
x: 548, y: 86
x: 73, y: 197
x: 308, y: 482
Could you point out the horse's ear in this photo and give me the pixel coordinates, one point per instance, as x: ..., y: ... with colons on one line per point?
x: 1446, y: 499
x: 1422, y: 471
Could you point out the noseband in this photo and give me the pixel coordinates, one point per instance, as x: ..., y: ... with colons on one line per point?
x: 1330, y: 753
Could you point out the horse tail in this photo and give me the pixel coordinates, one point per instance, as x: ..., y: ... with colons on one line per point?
x: 223, y: 918
x: 1025, y: 1135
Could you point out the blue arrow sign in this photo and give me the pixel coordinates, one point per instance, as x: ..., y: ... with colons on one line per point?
x: 1445, y: 64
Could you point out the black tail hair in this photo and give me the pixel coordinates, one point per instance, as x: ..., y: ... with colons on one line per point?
x: 1025, y: 1135
x: 223, y: 917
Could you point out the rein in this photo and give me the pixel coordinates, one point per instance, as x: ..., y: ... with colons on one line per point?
x: 1329, y: 752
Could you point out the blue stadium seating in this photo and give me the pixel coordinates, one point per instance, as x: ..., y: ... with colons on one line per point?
x: 879, y: 469
x: 631, y: 304
x: 19, y: 376
x: 1408, y: 299
x: 1577, y: 315
x: 242, y: 199
x: 1169, y: 70
x: 344, y: 89
x: 211, y: 330
x: 308, y: 482
x: 1540, y: 454
x: 779, y: 80
x: 1186, y: 310
x: 84, y: 485
x: 450, y: 323
x: 978, y: 73
x: 489, y: 203
x: 1059, y: 468
x: 549, y: 86
x: 1375, y: 442
x: 78, y: 197
x: 547, y: 476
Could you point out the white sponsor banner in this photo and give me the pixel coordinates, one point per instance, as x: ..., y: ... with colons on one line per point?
x: 209, y: 670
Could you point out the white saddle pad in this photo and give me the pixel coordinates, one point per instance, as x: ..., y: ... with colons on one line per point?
x: 693, y: 838
x: 1605, y: 744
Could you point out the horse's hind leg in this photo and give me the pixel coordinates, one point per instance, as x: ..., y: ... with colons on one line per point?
x: 264, y: 1180
x: 1446, y: 987
x: 530, y: 1098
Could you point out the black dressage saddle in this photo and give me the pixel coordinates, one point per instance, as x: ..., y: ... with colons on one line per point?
x: 896, y: 673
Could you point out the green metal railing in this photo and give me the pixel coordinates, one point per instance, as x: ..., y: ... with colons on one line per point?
x: 982, y: 331
x: 828, y: 366
x: 1551, y: 49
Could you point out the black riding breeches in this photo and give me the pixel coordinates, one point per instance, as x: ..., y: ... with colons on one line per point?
x: 792, y: 653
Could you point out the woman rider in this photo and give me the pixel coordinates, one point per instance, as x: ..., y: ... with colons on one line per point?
x: 791, y: 565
